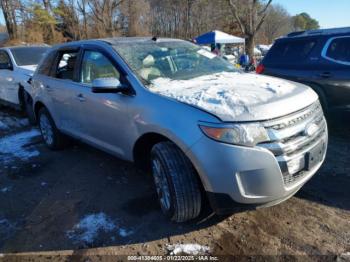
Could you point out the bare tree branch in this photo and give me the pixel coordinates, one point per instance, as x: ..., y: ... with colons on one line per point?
x: 234, y: 11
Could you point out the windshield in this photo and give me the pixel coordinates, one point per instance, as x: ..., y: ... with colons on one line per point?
x: 175, y: 60
x: 28, y: 55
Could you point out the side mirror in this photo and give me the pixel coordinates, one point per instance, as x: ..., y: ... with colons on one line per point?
x: 7, y: 66
x: 108, y: 85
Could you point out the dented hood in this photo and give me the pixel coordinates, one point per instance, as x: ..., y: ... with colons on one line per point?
x: 238, y: 96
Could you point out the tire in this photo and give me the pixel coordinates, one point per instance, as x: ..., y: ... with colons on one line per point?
x: 176, y: 182
x: 52, y: 137
x: 28, y: 108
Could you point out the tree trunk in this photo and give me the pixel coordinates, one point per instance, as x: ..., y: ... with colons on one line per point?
x: 249, y: 45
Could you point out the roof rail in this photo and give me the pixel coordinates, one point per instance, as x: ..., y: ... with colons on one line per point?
x: 329, y: 31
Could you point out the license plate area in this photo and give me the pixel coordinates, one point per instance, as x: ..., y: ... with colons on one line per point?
x: 315, y: 156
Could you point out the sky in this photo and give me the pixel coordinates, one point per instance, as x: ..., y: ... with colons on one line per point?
x: 329, y: 13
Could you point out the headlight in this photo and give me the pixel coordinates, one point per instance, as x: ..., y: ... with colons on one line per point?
x: 237, y: 134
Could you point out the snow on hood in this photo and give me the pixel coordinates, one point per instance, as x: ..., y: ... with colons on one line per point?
x: 238, y: 96
x: 29, y: 67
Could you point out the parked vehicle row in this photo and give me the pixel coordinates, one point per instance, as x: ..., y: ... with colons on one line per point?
x: 189, y: 117
x: 317, y: 58
x: 17, y: 65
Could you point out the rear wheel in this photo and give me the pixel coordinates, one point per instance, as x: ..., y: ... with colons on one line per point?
x: 53, y: 138
x: 176, y: 182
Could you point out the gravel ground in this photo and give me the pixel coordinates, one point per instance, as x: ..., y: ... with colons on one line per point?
x: 86, y: 203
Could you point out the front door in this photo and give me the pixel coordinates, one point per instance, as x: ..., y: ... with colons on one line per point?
x: 104, y: 116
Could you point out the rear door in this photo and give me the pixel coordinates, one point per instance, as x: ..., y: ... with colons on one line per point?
x: 62, y: 91
x: 334, y: 75
x: 293, y: 59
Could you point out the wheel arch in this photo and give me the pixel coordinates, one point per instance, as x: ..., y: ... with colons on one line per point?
x: 321, y: 94
x: 20, y: 94
x: 38, y: 105
x: 143, y: 146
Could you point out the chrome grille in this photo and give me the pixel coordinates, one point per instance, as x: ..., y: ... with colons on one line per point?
x: 290, y: 143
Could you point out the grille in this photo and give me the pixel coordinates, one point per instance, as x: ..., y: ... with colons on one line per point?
x: 290, y: 143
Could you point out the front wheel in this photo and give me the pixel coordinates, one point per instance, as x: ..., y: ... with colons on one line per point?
x: 53, y: 138
x: 176, y: 182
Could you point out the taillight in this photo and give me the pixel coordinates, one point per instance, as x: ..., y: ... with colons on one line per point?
x: 260, y: 69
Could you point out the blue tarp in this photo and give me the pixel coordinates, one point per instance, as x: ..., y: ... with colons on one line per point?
x: 218, y: 37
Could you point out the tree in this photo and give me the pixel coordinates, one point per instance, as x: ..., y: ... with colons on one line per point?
x: 250, y: 16
x: 67, y: 20
x: 105, y: 14
x: 9, y: 12
x: 304, y: 21
x: 277, y: 23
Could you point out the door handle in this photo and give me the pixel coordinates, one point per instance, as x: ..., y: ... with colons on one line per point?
x: 81, y: 98
x: 326, y: 74
x: 48, y: 88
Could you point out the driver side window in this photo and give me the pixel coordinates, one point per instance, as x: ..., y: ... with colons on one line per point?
x: 96, y: 65
x: 5, y: 60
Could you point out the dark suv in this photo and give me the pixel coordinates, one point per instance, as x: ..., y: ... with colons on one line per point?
x: 317, y: 58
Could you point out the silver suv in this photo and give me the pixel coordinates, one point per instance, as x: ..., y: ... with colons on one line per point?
x: 188, y: 116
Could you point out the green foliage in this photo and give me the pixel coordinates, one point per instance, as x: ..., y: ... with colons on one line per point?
x: 304, y: 21
x: 42, y: 16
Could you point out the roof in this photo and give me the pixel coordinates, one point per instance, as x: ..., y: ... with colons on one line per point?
x: 218, y: 37
x: 115, y: 41
x: 26, y: 46
x: 22, y: 46
x: 330, y: 31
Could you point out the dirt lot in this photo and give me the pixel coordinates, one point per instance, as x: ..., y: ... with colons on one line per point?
x: 82, y: 198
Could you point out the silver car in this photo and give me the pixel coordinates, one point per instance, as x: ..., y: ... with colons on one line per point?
x: 187, y: 116
x: 17, y: 65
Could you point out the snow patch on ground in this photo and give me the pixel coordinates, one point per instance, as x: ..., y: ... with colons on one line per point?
x: 224, y: 94
x: 89, y: 227
x: 5, y: 189
x: 8, y: 122
x: 188, y: 249
x: 124, y: 232
x: 6, y: 228
x: 14, y: 146
x: 3, y: 126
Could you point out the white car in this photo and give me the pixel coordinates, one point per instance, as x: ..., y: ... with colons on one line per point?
x: 17, y: 65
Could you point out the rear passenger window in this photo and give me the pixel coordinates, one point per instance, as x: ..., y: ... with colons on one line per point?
x: 339, y: 50
x: 46, y: 65
x: 291, y: 51
x: 66, y: 65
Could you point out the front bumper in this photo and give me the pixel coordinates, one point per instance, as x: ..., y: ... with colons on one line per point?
x: 247, y: 176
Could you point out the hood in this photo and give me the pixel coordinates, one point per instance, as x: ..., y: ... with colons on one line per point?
x: 238, y: 96
x: 29, y: 68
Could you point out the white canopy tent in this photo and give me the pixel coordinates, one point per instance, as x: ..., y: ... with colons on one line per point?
x: 218, y: 37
